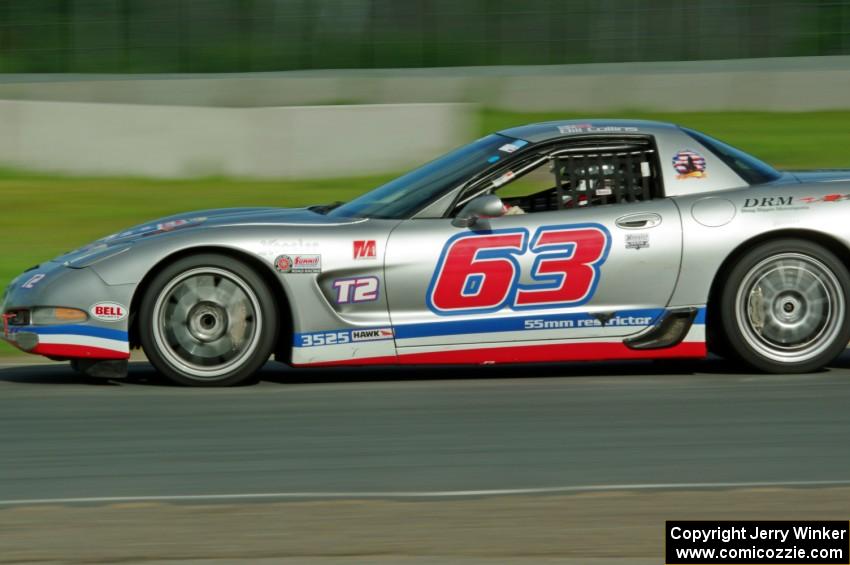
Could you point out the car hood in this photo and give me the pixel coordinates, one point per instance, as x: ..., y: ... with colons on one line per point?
x: 202, y: 218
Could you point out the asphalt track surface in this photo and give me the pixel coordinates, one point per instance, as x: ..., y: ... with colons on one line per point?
x: 429, y: 432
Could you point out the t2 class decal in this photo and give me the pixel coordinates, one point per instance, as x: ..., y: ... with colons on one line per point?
x: 359, y: 289
x: 480, y: 272
x: 34, y: 280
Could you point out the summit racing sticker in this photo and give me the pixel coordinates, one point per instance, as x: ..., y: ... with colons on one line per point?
x: 298, y: 263
x: 689, y: 165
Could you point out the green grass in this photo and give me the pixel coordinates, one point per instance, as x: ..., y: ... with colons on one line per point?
x: 42, y: 216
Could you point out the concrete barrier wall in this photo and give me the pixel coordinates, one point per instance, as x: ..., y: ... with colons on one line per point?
x: 780, y: 84
x: 176, y: 141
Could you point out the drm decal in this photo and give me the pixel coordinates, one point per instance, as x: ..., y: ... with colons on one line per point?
x: 108, y: 311
x: 480, y: 272
x: 358, y: 289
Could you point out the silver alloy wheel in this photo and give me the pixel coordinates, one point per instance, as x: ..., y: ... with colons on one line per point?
x: 790, y: 307
x: 207, y: 322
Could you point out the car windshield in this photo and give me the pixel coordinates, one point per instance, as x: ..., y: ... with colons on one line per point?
x: 404, y: 196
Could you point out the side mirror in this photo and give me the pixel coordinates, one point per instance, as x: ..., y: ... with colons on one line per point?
x: 484, y: 206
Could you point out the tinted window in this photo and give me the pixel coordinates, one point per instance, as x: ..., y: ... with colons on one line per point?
x: 402, y: 197
x: 748, y: 167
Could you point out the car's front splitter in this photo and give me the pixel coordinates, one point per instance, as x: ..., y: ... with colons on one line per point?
x: 69, y: 341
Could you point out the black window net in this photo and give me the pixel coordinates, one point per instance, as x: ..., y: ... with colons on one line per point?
x: 596, y: 176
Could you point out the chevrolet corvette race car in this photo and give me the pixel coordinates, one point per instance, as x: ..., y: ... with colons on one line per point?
x: 549, y: 242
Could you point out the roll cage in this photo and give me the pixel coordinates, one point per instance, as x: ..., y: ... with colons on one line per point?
x: 587, y: 170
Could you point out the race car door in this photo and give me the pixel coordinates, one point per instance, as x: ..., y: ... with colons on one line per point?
x: 595, y: 257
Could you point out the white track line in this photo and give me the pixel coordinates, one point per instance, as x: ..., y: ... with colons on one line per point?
x: 415, y: 494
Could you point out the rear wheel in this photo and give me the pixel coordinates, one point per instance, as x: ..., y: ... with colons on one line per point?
x: 784, y: 307
x: 208, y: 320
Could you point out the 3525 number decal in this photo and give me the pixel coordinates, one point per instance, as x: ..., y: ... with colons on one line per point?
x: 480, y: 272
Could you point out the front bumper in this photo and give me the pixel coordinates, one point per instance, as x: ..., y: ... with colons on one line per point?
x: 72, y: 288
x: 76, y: 341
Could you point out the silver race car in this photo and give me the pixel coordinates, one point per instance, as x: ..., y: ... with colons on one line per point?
x: 550, y: 242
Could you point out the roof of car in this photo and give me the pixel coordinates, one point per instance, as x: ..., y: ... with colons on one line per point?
x: 546, y: 131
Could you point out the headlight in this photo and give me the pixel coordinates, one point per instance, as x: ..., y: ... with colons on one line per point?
x: 43, y: 316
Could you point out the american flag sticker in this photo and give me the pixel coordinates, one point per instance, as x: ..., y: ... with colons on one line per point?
x: 689, y: 165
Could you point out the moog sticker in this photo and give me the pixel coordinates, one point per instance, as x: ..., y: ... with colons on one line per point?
x: 365, y: 249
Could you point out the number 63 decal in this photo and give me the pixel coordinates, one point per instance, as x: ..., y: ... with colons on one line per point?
x: 480, y: 272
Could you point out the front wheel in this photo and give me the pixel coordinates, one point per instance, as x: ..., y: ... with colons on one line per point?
x: 208, y: 320
x: 784, y: 307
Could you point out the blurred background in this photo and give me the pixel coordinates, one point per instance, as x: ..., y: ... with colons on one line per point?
x: 200, y: 36
x: 114, y: 112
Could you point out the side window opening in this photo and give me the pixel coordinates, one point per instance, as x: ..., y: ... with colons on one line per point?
x: 576, y: 176
x: 752, y: 170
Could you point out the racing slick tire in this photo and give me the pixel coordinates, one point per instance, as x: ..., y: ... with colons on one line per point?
x: 208, y: 320
x: 783, y: 308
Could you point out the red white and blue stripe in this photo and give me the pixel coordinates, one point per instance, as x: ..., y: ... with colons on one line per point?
x: 499, y: 340
x: 76, y: 341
